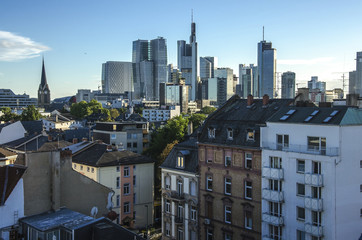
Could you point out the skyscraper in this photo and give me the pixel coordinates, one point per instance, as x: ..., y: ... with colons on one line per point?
x: 224, y: 84
x: 359, y: 73
x: 187, y: 61
x: 117, y: 77
x: 207, y: 67
x: 315, y: 84
x: 352, y: 82
x: 44, y: 91
x: 158, y: 56
x: 288, y: 85
x: 266, y: 69
x: 248, y: 76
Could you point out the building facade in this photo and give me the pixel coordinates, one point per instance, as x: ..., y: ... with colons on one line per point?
x: 161, y: 114
x: 248, y: 78
x: 174, y: 94
x: 15, y: 101
x: 224, y: 88
x: 266, y: 69
x: 43, y: 91
x: 309, y: 158
x: 117, y: 77
x: 288, y: 85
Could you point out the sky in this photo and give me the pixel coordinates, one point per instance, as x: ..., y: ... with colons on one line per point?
x: 312, y: 38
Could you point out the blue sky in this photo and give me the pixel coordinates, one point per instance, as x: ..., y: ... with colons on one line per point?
x: 312, y: 38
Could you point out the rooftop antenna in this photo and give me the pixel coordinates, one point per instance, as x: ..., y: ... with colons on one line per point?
x: 192, y: 15
x: 263, y: 33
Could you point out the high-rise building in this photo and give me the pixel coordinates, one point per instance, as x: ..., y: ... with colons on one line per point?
x: 352, y: 82
x: 44, y: 91
x: 288, y: 85
x: 187, y: 61
x: 141, y: 53
x: 174, y: 95
x: 359, y: 73
x: 15, y: 101
x: 224, y: 78
x: 174, y: 75
x: 266, y: 69
x: 248, y: 76
x: 159, y: 58
x: 117, y: 77
x: 315, y: 84
x: 207, y: 67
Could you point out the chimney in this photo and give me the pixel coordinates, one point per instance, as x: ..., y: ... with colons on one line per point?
x: 49, y: 138
x: 75, y: 140
x: 250, y: 99
x: 109, y: 148
x: 84, y: 139
x: 265, y: 99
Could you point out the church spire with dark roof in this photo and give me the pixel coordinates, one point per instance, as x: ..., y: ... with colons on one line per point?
x: 43, y: 76
x: 44, y: 91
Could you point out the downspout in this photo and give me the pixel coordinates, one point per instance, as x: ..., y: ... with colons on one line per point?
x: 5, y: 186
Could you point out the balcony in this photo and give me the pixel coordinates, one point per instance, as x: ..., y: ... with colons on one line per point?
x: 144, y: 131
x: 273, y: 196
x: 301, y: 149
x: 179, y: 220
x: 274, y: 220
x: 177, y: 196
x: 314, y: 204
x: 267, y: 237
x: 313, y: 179
x: 316, y: 231
x: 273, y: 173
x: 145, y: 140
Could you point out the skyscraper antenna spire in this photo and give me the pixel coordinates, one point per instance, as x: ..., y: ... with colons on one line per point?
x: 263, y: 33
x: 192, y: 15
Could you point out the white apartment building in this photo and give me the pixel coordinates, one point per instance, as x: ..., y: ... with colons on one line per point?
x: 312, y: 174
x: 158, y: 115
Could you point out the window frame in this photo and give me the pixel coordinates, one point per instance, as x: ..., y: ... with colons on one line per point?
x: 128, y: 187
x: 128, y: 206
x: 193, y: 213
x: 126, y: 171
x: 227, y: 161
x: 227, y: 185
x: 227, y: 214
x: 167, y: 206
x: 247, y: 160
x: 250, y: 188
x: 250, y: 135
x: 299, y: 217
x: 298, y: 193
x: 299, y: 163
x: 180, y: 163
x: 168, y: 186
x: 209, y: 181
x: 230, y: 134
x: 248, y: 215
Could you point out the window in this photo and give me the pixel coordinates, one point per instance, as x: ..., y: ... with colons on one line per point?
x: 360, y: 186
x: 300, y: 235
x: 117, y: 168
x: 168, y: 229
x: 134, y: 198
x: 275, y: 185
x: 211, y: 132
x: 282, y: 141
x: 209, y: 234
x: 193, y: 213
x: 88, y: 169
x: 275, y: 162
x: 126, y: 189
x: 227, y: 186
x: 167, y: 206
x: 81, y: 167
x: 250, y: 136
x: 135, y: 145
x: 193, y: 188
x: 180, y: 234
x: 126, y: 171
x: 275, y: 209
x: 92, y: 170
x: 134, y: 180
x: 228, y: 214
x: 248, y: 190
x: 114, y: 127
x: 180, y: 187
x: 75, y: 165
x: 180, y: 211
x: 209, y: 209
x: 317, y: 144
x: 209, y: 183
x: 316, y: 192
x: 300, y: 213
x: 360, y: 164
x: 168, y: 182
x: 117, y: 182
x: 361, y: 212
x: 248, y: 220
x: 117, y: 200
x: 192, y: 235
x: 300, y: 166
x: 316, y: 167
x: 248, y: 160
x: 113, y: 136
x: 129, y: 145
x: 126, y: 207
x: 230, y: 133
x: 275, y: 232
x: 227, y: 236
x: 300, y: 189
x: 180, y: 162
x: 316, y: 218
x: 227, y: 161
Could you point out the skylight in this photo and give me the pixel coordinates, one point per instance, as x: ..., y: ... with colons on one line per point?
x: 308, y: 119
x: 285, y: 117
x: 327, y: 119
x: 334, y: 113
x: 315, y: 113
x: 290, y: 112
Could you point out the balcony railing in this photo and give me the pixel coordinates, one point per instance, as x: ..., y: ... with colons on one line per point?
x: 177, y: 195
x: 316, y: 231
x: 267, y: 237
x: 274, y: 220
x: 273, y: 173
x: 179, y: 220
x: 271, y: 195
x: 313, y: 179
x: 301, y: 149
x: 314, y: 204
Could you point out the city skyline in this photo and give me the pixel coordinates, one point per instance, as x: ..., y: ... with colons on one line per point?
x: 312, y: 38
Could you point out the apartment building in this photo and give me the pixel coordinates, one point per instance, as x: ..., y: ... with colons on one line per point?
x: 230, y: 168
x: 311, y: 174
x: 164, y: 114
x: 128, y: 174
x: 180, y: 198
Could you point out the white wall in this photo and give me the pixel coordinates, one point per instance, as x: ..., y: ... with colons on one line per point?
x: 12, y: 132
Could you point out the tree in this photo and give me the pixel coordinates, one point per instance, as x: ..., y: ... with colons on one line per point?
x: 208, y: 110
x: 80, y: 110
x: 114, y: 113
x: 30, y: 114
x: 197, y: 119
x: 106, y: 115
x: 8, y: 115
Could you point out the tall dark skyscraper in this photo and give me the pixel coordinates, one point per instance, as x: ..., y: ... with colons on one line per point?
x: 288, y: 85
x: 187, y: 61
x: 266, y: 69
x: 44, y: 91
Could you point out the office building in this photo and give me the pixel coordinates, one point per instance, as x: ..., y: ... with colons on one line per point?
x: 248, y: 76
x: 355, y: 77
x: 207, y: 67
x: 288, y: 85
x: 311, y: 174
x: 224, y: 88
x: 266, y: 70
x: 187, y: 62
x: 44, y: 91
x: 174, y: 94
x: 315, y: 84
x: 161, y: 114
x: 159, y: 59
x: 117, y: 77
x: 352, y: 87
x: 141, y: 53
x: 15, y: 101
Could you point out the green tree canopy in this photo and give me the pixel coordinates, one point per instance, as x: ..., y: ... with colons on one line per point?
x: 83, y: 109
x: 208, y: 110
x: 8, y: 115
x: 30, y: 114
x: 114, y: 113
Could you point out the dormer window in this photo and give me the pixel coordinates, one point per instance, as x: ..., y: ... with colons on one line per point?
x: 250, y: 136
x: 212, y: 132
x: 180, y: 161
x: 230, y: 134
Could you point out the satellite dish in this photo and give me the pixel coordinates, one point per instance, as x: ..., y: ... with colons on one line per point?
x: 94, y: 212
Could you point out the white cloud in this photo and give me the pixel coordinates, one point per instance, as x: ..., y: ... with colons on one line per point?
x: 14, y: 47
x: 305, y: 61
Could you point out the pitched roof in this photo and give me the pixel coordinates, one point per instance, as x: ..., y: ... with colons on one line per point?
x: 9, y: 178
x: 96, y: 154
x: 6, y: 153
x: 33, y: 127
x: 236, y: 115
x: 29, y: 143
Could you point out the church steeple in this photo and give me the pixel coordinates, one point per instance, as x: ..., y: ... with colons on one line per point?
x: 44, y: 91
